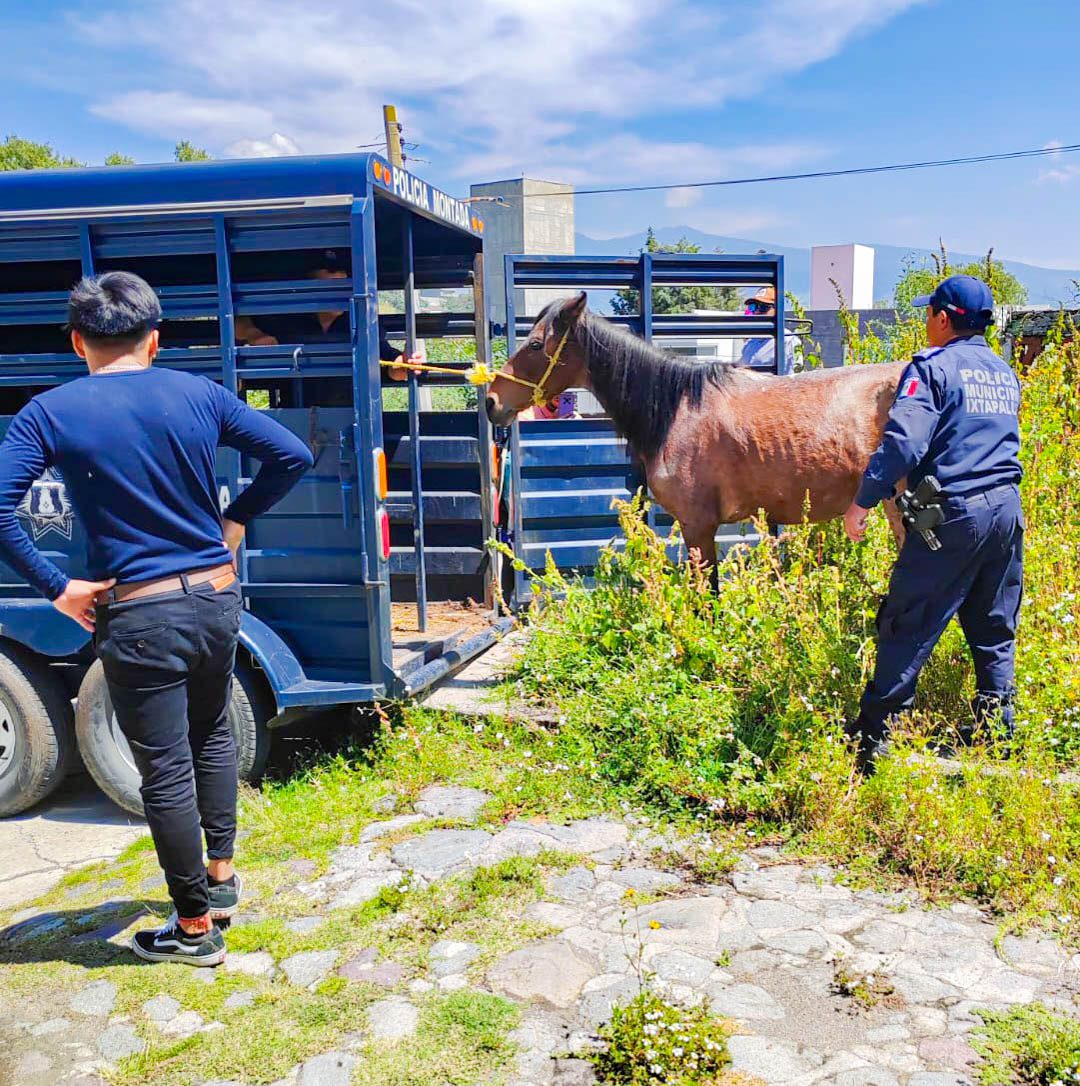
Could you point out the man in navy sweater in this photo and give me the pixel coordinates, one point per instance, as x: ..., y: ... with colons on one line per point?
x: 136, y: 448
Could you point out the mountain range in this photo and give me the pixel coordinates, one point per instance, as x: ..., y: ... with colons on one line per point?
x: 1045, y: 286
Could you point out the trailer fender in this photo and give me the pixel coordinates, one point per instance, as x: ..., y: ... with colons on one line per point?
x: 277, y: 660
x: 40, y: 627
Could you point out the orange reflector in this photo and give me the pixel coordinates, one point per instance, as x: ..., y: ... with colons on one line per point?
x: 384, y: 533
x: 382, y: 487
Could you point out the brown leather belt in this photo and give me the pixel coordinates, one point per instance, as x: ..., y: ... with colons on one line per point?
x: 220, y: 577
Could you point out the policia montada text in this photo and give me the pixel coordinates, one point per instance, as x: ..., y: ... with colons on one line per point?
x: 954, y: 419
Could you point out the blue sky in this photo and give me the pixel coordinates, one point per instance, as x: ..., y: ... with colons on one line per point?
x: 599, y: 92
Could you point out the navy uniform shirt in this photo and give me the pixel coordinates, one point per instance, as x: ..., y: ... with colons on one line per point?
x: 954, y: 417
x: 136, y: 450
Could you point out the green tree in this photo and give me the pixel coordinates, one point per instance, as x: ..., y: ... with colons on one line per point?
x: 675, y: 299
x: 186, y: 151
x: 919, y: 279
x: 117, y: 159
x: 19, y: 154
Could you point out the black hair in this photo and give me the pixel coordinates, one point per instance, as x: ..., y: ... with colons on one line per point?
x: 641, y: 386
x: 331, y: 260
x: 970, y: 323
x: 117, y: 307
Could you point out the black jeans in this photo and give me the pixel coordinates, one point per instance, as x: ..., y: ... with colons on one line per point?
x: 168, y: 662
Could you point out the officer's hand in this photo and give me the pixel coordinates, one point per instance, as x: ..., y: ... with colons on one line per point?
x: 855, y: 522
x: 77, y: 601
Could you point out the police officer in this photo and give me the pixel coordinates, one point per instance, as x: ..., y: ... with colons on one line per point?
x: 954, y: 417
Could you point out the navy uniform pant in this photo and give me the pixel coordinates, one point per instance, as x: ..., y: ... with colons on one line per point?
x: 977, y: 575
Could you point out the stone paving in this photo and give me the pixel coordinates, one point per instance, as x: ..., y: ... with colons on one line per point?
x: 75, y: 826
x: 767, y: 946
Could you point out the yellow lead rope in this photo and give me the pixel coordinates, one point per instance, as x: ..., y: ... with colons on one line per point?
x: 482, y: 373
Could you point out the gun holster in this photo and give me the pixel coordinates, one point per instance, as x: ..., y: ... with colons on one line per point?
x: 921, y: 510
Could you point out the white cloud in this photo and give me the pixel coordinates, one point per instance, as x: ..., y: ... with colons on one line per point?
x: 1060, y: 175
x: 682, y: 197
x: 737, y: 223
x: 494, y: 87
x: 621, y: 156
x: 274, y: 145
x: 206, y: 119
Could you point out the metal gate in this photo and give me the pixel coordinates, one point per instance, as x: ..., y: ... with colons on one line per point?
x: 567, y: 473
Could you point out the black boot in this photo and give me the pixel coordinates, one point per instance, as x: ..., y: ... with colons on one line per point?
x: 872, y: 743
x: 993, y: 718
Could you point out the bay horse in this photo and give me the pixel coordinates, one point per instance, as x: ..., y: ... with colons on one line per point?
x: 718, y: 442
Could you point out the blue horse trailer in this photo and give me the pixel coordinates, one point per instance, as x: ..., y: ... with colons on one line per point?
x: 371, y: 579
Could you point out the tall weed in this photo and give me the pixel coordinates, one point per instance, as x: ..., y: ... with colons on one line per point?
x: 732, y: 704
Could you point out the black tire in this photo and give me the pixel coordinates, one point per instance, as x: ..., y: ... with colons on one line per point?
x: 108, y: 756
x: 252, y: 706
x: 37, y: 736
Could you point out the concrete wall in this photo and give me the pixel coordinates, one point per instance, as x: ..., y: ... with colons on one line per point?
x: 827, y: 338
x: 538, y: 218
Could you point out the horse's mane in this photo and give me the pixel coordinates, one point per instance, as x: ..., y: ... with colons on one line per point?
x: 641, y: 386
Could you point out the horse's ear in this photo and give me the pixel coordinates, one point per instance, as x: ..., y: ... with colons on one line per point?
x: 571, y: 311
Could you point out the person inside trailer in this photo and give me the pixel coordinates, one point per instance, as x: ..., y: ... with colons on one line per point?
x: 761, y: 350
x: 564, y: 406
x: 330, y: 326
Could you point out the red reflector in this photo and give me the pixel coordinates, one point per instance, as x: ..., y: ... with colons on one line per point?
x: 494, y: 505
x: 384, y: 534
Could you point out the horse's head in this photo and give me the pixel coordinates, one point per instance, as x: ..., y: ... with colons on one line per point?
x: 549, y: 362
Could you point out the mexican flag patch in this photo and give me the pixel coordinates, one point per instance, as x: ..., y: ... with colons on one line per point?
x: 909, y: 388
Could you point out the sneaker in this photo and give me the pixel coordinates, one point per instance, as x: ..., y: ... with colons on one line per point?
x: 170, y: 943
x: 225, y: 898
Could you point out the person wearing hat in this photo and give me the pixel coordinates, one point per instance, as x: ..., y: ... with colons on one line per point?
x: 760, y: 351
x: 955, y: 418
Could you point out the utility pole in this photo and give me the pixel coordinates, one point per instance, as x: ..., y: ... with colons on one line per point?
x: 393, y: 136
x: 394, y: 153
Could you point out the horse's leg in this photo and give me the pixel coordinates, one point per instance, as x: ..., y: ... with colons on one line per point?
x: 896, y: 523
x: 700, y: 542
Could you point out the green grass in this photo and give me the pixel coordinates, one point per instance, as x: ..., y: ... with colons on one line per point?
x: 726, y: 710
x: 1027, y: 1046
x: 461, y: 1039
x: 285, y: 1025
x: 259, y: 1044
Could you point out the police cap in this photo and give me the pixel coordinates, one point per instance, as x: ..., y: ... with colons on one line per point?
x: 964, y: 296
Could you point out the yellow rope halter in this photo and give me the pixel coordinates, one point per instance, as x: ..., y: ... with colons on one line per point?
x: 482, y: 373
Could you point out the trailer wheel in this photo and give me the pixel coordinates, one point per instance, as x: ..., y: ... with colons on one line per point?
x: 37, y: 738
x: 108, y: 757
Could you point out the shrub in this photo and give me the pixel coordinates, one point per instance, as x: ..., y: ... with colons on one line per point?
x: 732, y: 704
x: 1030, y: 1046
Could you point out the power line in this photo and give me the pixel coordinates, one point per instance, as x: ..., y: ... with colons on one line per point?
x: 815, y: 174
